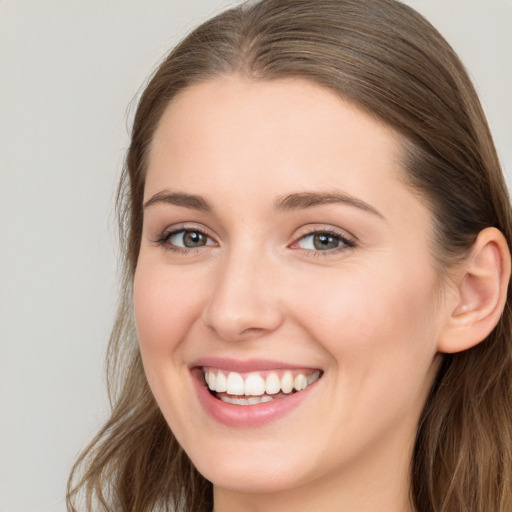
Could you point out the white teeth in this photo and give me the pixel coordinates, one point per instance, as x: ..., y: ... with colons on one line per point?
x: 272, y: 384
x: 287, y: 382
x: 246, y: 401
x: 220, y: 383
x: 259, y: 399
x: 300, y: 382
x: 235, y: 384
x: 233, y: 400
x: 254, y: 385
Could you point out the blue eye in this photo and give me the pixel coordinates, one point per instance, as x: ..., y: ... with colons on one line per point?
x: 324, y: 241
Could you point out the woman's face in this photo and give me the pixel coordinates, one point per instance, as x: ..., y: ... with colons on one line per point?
x: 280, y: 245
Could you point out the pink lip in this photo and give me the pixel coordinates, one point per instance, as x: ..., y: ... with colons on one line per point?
x: 233, y: 415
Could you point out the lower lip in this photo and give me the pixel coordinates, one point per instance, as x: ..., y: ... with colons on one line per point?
x: 234, y: 415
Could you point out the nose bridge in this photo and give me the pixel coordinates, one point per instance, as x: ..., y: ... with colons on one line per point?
x: 243, y: 303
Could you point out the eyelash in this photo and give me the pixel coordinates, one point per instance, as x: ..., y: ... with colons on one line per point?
x: 346, y: 242
x: 163, y: 240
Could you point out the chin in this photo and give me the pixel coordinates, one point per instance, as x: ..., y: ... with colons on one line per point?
x: 247, y: 477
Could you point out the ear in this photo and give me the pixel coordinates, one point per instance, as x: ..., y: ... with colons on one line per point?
x: 477, y: 299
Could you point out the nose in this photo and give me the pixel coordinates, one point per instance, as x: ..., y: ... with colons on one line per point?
x: 244, y: 304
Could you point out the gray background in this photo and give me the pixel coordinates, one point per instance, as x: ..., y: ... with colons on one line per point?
x: 68, y: 71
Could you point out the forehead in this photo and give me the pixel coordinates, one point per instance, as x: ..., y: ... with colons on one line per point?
x: 232, y: 108
x: 262, y: 139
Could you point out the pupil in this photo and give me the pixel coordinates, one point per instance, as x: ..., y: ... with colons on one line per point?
x: 193, y: 239
x: 323, y: 242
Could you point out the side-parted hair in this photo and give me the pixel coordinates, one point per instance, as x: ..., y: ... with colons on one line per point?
x: 389, y: 61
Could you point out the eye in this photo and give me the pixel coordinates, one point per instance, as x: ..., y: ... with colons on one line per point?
x: 189, y: 239
x: 326, y: 240
x: 184, y: 239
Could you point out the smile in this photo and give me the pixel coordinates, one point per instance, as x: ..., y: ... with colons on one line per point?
x: 257, y: 387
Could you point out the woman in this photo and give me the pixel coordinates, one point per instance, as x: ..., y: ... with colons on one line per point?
x: 315, y: 311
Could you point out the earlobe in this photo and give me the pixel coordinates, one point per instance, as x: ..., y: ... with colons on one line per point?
x: 480, y: 293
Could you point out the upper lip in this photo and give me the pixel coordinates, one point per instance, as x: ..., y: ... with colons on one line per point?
x: 249, y: 365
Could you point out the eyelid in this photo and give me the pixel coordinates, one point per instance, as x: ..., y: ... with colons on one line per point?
x: 348, y: 240
x: 163, y: 238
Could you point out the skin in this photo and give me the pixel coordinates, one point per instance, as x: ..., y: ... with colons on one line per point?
x: 369, y: 316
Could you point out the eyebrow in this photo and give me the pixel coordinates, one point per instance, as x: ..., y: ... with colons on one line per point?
x: 179, y: 199
x: 290, y: 202
x: 303, y: 200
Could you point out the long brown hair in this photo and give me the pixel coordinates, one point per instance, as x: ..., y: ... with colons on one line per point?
x: 387, y: 59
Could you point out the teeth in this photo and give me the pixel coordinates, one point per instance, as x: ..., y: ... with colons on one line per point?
x: 287, y: 382
x: 255, y: 385
x: 235, y: 384
x: 272, y: 384
x: 299, y: 383
x: 313, y: 377
x: 246, y: 401
x: 220, y: 383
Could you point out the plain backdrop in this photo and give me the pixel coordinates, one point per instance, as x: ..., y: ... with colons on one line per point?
x: 69, y: 69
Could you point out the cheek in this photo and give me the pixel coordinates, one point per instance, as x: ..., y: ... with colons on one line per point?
x: 165, y: 306
x: 367, y: 302
x: 380, y: 329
